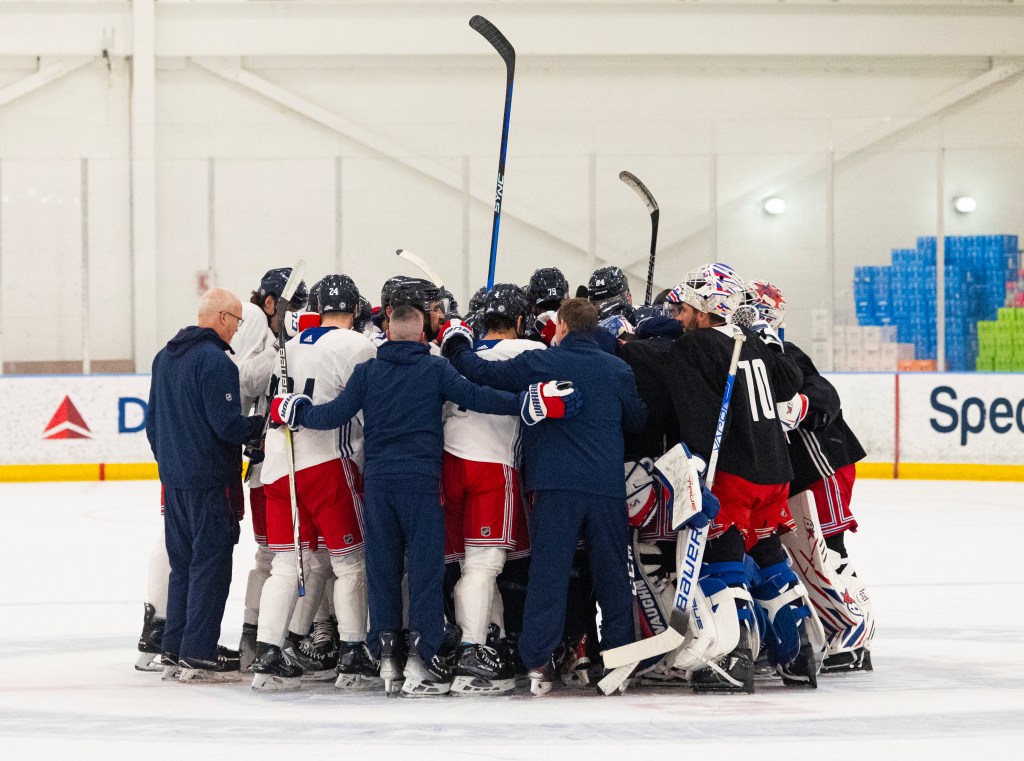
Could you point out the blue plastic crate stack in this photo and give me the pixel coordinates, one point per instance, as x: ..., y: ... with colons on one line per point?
x: 977, y: 273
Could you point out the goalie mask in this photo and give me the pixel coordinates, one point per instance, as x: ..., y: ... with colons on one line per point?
x: 712, y: 289
x: 768, y: 300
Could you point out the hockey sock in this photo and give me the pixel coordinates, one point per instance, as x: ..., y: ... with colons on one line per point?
x: 350, y: 604
x: 768, y: 551
x: 727, y: 548
x: 318, y: 568
x: 837, y: 543
x: 254, y: 585
x: 278, y: 600
x: 474, y: 589
x: 158, y: 576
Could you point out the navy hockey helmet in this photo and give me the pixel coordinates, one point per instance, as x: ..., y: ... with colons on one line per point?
x: 273, y: 284
x: 416, y: 292
x: 476, y: 303
x: 363, y: 315
x: 607, y: 283
x: 338, y: 293
x: 507, y: 300
x: 547, y: 284
x: 389, y: 287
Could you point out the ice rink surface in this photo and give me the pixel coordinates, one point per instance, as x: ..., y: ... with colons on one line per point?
x: 942, y: 561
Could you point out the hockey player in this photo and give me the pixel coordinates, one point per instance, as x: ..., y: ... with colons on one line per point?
x: 608, y: 290
x: 484, y: 513
x: 823, y: 451
x: 402, y: 394
x: 573, y: 473
x: 328, y: 487
x: 751, y: 482
x: 546, y: 291
x: 424, y: 296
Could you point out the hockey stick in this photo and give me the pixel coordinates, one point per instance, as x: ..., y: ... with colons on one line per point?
x: 689, y: 554
x: 282, y: 337
x: 425, y: 268
x: 508, y: 55
x: 652, y: 206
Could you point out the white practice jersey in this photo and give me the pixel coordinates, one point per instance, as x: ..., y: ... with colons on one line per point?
x: 487, y: 438
x: 252, y: 336
x: 320, y: 362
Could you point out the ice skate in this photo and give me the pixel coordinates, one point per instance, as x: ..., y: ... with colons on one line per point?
x: 202, y: 671
x: 733, y: 673
x: 357, y: 669
x: 273, y: 670
x: 574, y: 663
x: 317, y: 656
x: 171, y: 667
x: 391, y: 665
x: 542, y: 678
x: 851, y: 660
x: 803, y: 671
x: 149, y: 658
x: 247, y: 648
x: 479, y: 671
x: 422, y: 678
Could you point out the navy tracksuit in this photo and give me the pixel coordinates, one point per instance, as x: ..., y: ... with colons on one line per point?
x: 574, y: 472
x: 402, y: 393
x: 195, y: 429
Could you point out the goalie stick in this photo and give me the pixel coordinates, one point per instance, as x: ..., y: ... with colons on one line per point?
x: 508, y: 54
x: 689, y: 555
x: 420, y: 264
x: 652, y: 206
x: 282, y: 337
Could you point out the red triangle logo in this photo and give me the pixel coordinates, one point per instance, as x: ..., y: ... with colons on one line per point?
x: 67, y: 423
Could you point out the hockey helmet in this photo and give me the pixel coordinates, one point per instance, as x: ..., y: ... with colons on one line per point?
x: 273, y: 284
x: 714, y: 289
x: 388, y: 288
x: 363, y: 315
x: 338, y: 293
x: 416, y: 292
x: 476, y: 303
x: 453, y: 305
x: 607, y: 283
x: 547, y: 284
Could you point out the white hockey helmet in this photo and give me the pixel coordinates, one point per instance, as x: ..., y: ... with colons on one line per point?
x: 768, y: 300
x: 713, y: 288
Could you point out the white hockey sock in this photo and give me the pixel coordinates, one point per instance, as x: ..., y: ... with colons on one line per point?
x: 254, y: 584
x: 497, y: 609
x: 326, y: 609
x: 317, y: 567
x: 350, y: 596
x: 475, y: 589
x: 278, y: 599
x: 159, y: 573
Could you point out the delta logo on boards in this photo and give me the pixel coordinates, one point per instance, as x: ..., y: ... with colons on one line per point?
x: 67, y: 423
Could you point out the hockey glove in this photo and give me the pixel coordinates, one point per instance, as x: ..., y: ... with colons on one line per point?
x: 768, y: 335
x: 642, y: 492
x: 554, y: 399
x: 546, y: 325
x: 616, y: 325
x: 709, y: 507
x: 286, y: 409
x: 792, y: 413
x: 454, y: 333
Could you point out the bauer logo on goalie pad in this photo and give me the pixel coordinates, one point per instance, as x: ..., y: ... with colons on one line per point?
x: 642, y: 492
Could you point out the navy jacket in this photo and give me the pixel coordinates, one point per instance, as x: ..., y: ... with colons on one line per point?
x: 194, y: 422
x: 402, y: 394
x: 583, y: 453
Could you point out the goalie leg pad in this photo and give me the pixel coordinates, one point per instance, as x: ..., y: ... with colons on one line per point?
x: 722, y: 609
x: 786, y: 608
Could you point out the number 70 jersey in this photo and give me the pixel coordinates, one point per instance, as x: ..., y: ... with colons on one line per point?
x: 320, y: 363
x: 753, y: 443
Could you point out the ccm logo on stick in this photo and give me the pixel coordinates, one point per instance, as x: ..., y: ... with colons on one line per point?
x: 971, y: 417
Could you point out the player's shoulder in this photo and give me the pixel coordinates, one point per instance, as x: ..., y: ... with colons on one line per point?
x: 507, y: 348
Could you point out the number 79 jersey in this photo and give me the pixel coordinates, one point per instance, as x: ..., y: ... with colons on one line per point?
x: 753, y: 444
x: 320, y: 363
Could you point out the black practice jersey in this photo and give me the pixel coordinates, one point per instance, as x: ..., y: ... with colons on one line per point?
x: 647, y: 358
x: 823, y: 442
x: 753, y: 444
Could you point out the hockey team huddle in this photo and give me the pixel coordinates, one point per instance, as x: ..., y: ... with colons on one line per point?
x: 539, y: 489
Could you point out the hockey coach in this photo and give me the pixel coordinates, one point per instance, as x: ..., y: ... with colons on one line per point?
x: 196, y: 428
x: 573, y: 472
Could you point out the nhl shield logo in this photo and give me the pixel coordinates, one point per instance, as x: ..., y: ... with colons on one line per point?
x: 485, y: 531
x: 348, y: 538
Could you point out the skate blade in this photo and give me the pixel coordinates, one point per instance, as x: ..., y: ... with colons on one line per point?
x: 468, y: 685
x: 538, y: 688
x: 202, y: 676
x: 272, y: 683
x: 171, y: 674
x: 321, y: 675
x: 422, y: 690
x: 358, y: 682
x: 575, y: 680
x: 150, y: 662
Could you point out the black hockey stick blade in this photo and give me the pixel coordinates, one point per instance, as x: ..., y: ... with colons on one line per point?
x: 641, y: 190
x: 498, y: 41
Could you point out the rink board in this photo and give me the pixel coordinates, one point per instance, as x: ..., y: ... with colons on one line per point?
x: 912, y: 425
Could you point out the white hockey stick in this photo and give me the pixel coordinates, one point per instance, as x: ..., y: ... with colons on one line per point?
x: 282, y: 304
x: 689, y: 555
x: 425, y: 268
x: 652, y: 206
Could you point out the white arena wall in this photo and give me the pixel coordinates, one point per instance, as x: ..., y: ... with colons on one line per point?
x: 147, y: 146
x: 926, y: 425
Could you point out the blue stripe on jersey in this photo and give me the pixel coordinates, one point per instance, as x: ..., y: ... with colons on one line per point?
x: 312, y: 335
